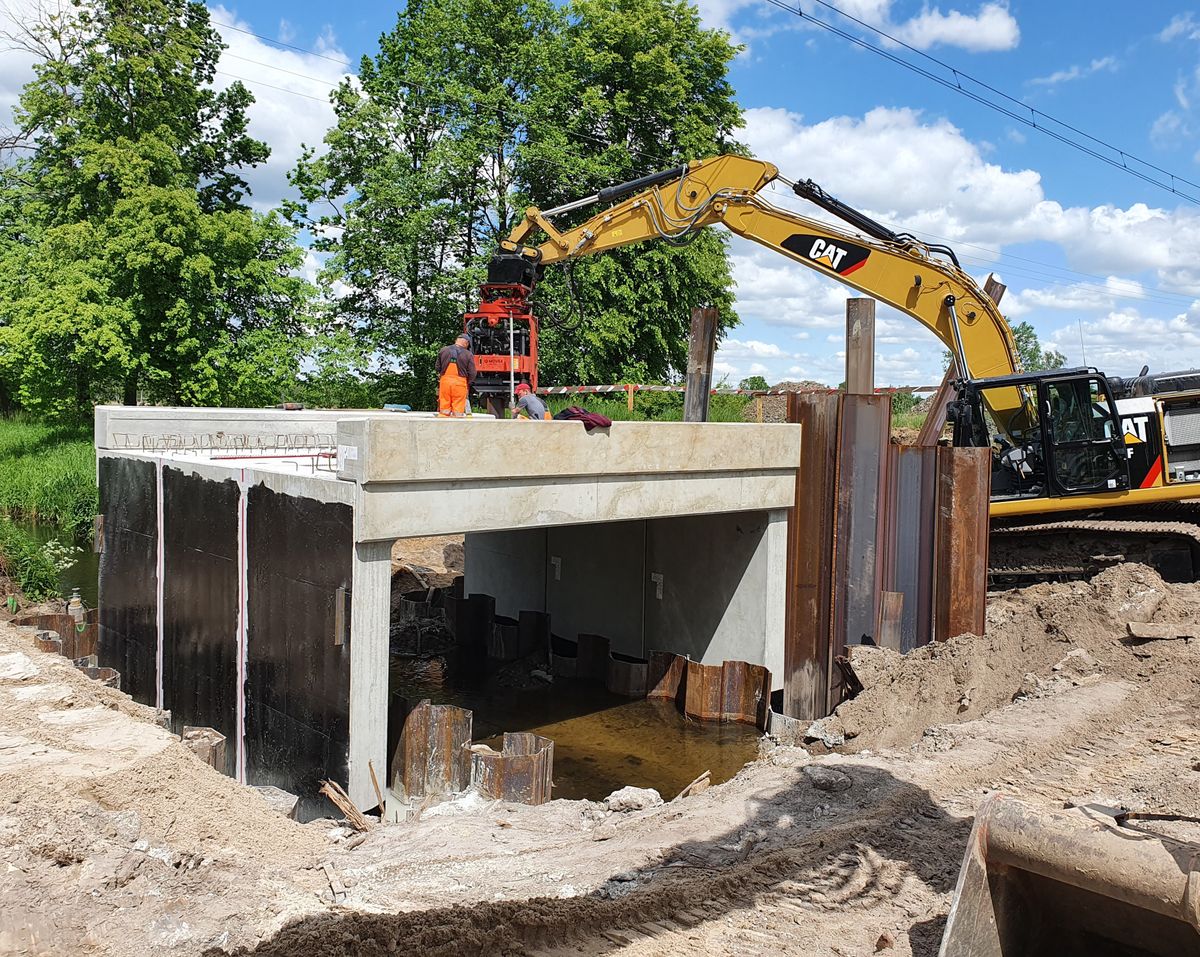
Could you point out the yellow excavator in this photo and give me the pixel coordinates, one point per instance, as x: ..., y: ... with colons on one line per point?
x: 1069, y: 440
x: 1065, y: 440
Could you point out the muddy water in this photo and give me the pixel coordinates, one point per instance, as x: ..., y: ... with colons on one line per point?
x: 601, y: 741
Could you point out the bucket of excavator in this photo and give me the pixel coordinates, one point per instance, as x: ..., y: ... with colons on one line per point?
x: 1037, y: 882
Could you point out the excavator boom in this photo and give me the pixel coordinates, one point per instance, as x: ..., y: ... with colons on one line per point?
x: 730, y: 190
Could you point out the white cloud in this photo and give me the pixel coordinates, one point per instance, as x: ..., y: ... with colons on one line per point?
x: 992, y: 27
x: 1105, y: 64
x: 937, y: 182
x: 1122, y: 341
x: 16, y: 63
x: 1181, y: 25
x: 291, y: 96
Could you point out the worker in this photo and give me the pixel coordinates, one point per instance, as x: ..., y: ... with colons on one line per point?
x: 529, y: 404
x: 456, y: 376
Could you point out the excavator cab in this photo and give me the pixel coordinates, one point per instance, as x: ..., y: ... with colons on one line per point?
x: 1064, y: 438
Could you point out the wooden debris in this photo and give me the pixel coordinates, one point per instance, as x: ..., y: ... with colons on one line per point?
x: 335, y: 884
x: 335, y: 793
x: 355, y: 841
x: 700, y: 784
x: 378, y: 792
x: 1166, y: 631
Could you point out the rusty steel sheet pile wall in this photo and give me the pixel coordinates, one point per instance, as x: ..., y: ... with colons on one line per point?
x: 433, y: 759
x: 200, y: 605
x: 960, y: 590
x: 807, y: 659
x: 522, y: 771
x: 731, y: 691
x: 128, y: 579
x: 886, y: 544
x: 76, y: 639
x: 910, y: 546
x: 864, y: 427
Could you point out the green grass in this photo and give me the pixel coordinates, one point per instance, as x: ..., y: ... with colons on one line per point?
x: 48, y: 473
x: 26, y: 564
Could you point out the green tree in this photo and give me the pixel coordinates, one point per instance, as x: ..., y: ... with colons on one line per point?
x: 754, y: 383
x: 132, y: 262
x: 1034, y: 357
x: 474, y: 109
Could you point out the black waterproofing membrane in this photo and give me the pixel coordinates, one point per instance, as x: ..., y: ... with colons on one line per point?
x: 200, y: 605
x: 128, y: 582
x: 298, y: 660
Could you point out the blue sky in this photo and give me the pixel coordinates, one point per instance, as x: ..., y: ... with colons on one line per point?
x: 1080, y: 245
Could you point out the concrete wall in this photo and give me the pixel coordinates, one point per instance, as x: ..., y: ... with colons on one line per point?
x: 723, y: 578
x: 511, y: 566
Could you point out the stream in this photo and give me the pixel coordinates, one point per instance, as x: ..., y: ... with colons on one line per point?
x: 83, y: 573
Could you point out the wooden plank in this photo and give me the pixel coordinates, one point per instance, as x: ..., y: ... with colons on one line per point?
x: 810, y: 558
x: 860, y: 346
x: 702, y: 341
x: 960, y: 562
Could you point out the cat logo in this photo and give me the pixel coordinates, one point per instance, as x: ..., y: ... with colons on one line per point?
x: 839, y: 257
x: 1134, y: 428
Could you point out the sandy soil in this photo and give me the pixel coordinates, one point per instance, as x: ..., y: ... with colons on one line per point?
x: 114, y: 840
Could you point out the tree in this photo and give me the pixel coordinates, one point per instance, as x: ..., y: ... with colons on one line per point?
x: 132, y: 262
x: 473, y: 110
x: 1035, y: 358
x: 754, y: 383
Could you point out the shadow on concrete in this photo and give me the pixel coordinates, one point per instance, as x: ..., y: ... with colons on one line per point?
x: 808, y: 853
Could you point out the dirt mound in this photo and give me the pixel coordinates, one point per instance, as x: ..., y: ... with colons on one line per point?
x: 1029, y: 632
x: 775, y: 406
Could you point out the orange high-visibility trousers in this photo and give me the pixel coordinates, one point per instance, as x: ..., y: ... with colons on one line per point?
x: 452, y: 392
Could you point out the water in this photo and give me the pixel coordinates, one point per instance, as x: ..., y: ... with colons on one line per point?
x: 83, y: 573
x: 602, y: 741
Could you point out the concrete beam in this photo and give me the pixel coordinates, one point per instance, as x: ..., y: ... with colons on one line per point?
x: 402, y: 450
x: 386, y: 511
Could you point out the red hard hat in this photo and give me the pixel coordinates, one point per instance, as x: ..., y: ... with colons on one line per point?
x: 523, y: 387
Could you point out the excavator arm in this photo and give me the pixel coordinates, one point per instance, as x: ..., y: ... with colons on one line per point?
x: 893, y: 268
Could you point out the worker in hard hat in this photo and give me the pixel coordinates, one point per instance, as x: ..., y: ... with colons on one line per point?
x: 456, y: 376
x: 528, y: 404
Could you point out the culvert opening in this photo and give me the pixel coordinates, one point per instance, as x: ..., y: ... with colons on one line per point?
x: 515, y: 675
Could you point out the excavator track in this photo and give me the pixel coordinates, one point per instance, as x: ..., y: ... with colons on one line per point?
x: 1165, y: 537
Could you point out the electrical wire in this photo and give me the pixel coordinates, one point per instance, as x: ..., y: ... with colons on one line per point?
x: 1031, y: 121
x: 680, y: 231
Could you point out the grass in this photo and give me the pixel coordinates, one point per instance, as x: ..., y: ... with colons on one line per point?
x: 48, y: 473
x: 26, y: 564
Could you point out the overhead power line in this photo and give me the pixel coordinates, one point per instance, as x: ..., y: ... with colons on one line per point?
x: 1042, y: 271
x: 1018, y: 111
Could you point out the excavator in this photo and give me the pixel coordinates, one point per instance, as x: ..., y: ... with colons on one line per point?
x: 1082, y: 881
x: 1065, y: 440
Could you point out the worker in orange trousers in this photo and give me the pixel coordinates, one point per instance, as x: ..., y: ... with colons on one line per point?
x: 456, y: 377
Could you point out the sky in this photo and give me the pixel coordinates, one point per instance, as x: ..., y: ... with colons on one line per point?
x: 1103, y: 264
